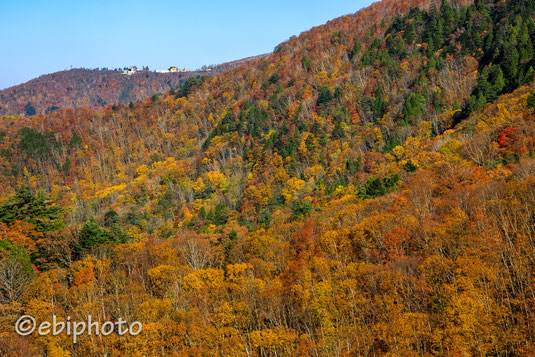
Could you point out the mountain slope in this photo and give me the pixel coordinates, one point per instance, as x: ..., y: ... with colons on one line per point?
x: 366, y: 189
x: 93, y: 88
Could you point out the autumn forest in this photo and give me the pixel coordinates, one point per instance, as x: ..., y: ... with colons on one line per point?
x: 367, y: 189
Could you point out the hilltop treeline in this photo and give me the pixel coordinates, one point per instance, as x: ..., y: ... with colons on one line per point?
x: 367, y: 189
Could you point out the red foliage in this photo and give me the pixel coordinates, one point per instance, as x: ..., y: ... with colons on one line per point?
x: 505, y: 137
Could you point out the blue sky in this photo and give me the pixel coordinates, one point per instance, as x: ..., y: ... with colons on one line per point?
x: 39, y: 37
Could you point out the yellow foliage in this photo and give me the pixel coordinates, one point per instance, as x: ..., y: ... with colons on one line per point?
x: 137, y: 233
x: 314, y: 171
x: 110, y: 190
x: 273, y: 340
x: 303, y: 147
x: 224, y: 315
x: 449, y: 150
x: 378, y: 136
x: 199, y: 185
x: 322, y: 77
x: 155, y: 309
x: 55, y: 351
x: 204, y: 279
x: 292, y: 186
x: 162, y: 276
x: 423, y: 130
x: 142, y: 170
x: 398, y: 152
x: 186, y: 216
x: 216, y: 178
x: 236, y: 272
x: 258, y: 194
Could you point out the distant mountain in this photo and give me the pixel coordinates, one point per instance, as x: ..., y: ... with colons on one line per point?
x: 367, y: 189
x: 93, y: 88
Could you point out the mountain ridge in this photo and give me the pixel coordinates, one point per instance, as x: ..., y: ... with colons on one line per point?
x: 366, y: 189
x: 94, y: 88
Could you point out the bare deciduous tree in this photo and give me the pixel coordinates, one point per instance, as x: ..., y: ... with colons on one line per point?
x: 14, y: 278
x: 196, y: 252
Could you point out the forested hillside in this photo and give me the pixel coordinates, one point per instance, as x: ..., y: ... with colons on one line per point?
x: 367, y: 189
x: 94, y: 88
